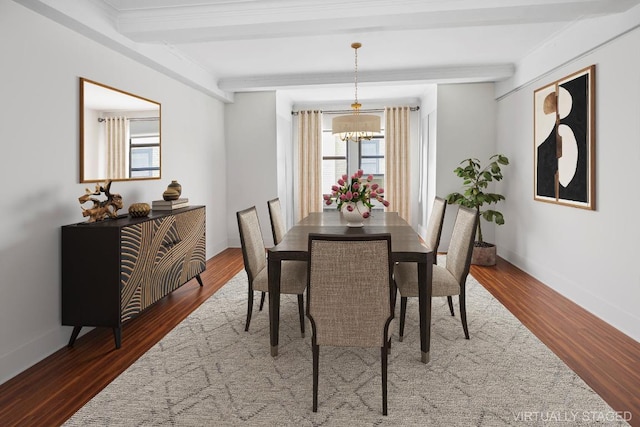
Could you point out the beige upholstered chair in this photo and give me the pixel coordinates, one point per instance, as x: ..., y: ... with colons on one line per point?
x: 434, y: 226
x: 449, y: 280
x: 278, y: 230
x: 348, y: 301
x: 294, y: 274
x: 278, y: 227
x: 434, y: 231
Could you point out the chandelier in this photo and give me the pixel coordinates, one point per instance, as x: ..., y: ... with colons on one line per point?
x: 355, y: 126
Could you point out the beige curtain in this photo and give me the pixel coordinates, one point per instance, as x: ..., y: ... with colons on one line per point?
x: 117, y: 134
x: 397, y: 136
x: 309, y: 163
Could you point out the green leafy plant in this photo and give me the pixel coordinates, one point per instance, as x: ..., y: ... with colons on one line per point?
x: 476, y: 179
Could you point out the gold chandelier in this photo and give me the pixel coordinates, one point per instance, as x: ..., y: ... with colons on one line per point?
x: 355, y: 126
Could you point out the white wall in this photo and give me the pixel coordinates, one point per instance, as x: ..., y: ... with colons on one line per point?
x: 42, y: 62
x: 588, y: 256
x: 466, y: 128
x: 250, y: 124
x: 285, y: 159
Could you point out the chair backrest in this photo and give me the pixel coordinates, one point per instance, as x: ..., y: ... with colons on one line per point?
x: 461, y: 245
x: 348, y: 289
x: 434, y: 226
x: 278, y: 227
x: 253, y: 250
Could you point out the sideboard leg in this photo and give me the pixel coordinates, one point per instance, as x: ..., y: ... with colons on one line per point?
x: 199, y: 279
x: 117, y: 335
x: 74, y: 335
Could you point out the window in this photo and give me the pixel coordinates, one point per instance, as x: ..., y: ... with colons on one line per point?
x: 372, y: 158
x: 334, y: 160
x: 144, y: 152
x: 340, y: 158
x: 144, y: 148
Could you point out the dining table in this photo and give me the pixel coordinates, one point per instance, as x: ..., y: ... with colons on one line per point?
x: 406, y: 246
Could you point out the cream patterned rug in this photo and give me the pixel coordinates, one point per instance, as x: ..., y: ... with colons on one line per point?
x: 209, y: 372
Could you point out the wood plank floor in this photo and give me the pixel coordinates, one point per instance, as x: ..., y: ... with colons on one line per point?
x: 50, y: 392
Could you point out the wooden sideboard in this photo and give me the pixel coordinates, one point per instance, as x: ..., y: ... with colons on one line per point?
x: 113, y: 270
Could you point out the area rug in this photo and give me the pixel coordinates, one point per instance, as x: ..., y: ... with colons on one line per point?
x: 209, y: 372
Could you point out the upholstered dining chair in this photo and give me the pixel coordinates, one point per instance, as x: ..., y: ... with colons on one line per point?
x: 293, y: 278
x: 432, y: 240
x: 448, y: 280
x: 348, y: 301
x: 278, y: 229
x: 278, y: 226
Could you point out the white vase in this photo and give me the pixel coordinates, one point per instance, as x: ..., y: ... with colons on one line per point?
x: 354, y: 218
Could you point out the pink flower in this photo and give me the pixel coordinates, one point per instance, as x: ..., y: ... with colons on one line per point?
x: 374, y: 187
x: 340, y: 181
x: 360, y: 173
x: 349, y: 195
x: 335, y: 187
x: 370, y: 178
x: 344, y: 178
x: 385, y: 203
x: 328, y: 202
x: 356, y: 185
x: 343, y: 197
x: 380, y: 190
x: 326, y: 196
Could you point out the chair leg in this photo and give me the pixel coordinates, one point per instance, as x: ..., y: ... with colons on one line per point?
x: 403, y: 313
x: 316, y: 354
x: 262, y: 300
x: 463, y: 314
x: 301, y: 312
x: 384, y: 379
x: 450, y: 301
x: 249, y: 309
x: 394, y: 296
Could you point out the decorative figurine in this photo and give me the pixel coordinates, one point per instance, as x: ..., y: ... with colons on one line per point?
x: 139, y: 210
x: 101, y: 208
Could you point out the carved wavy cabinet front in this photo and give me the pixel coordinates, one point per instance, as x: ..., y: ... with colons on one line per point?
x: 114, y: 270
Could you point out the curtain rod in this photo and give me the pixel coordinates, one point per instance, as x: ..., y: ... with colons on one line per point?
x: 100, y: 119
x: 371, y: 110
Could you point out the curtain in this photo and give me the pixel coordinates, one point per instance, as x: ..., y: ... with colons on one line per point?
x: 397, y: 135
x: 117, y: 134
x: 309, y: 163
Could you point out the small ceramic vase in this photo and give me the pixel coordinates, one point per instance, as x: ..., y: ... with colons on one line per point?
x: 175, y: 185
x: 170, y: 194
x: 138, y: 210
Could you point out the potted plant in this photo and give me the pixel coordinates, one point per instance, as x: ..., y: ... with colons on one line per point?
x: 475, y: 182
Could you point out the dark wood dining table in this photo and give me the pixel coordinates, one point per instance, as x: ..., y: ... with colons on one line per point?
x: 406, y: 246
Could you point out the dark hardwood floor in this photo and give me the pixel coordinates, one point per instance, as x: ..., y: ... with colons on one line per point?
x: 50, y: 392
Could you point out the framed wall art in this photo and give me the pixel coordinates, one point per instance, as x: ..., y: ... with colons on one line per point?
x: 564, y: 141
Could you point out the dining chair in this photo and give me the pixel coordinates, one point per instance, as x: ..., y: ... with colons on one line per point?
x: 448, y: 280
x: 349, y: 296
x: 293, y: 276
x: 432, y: 240
x: 278, y: 226
x: 278, y: 230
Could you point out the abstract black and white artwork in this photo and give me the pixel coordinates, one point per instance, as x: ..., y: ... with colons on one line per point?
x: 564, y: 141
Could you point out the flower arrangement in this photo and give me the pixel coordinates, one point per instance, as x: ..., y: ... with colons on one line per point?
x: 356, y: 189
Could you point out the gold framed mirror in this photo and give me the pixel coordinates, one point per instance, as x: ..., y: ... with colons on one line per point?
x: 120, y: 134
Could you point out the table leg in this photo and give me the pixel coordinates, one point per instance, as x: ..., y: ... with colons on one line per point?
x: 274, y: 267
x: 425, y: 271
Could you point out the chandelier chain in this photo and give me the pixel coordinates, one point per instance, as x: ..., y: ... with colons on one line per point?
x: 356, y: 73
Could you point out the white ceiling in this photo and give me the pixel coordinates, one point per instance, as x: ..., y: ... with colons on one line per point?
x: 303, y: 46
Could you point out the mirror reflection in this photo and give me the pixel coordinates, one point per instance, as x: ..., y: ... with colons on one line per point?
x: 119, y: 134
